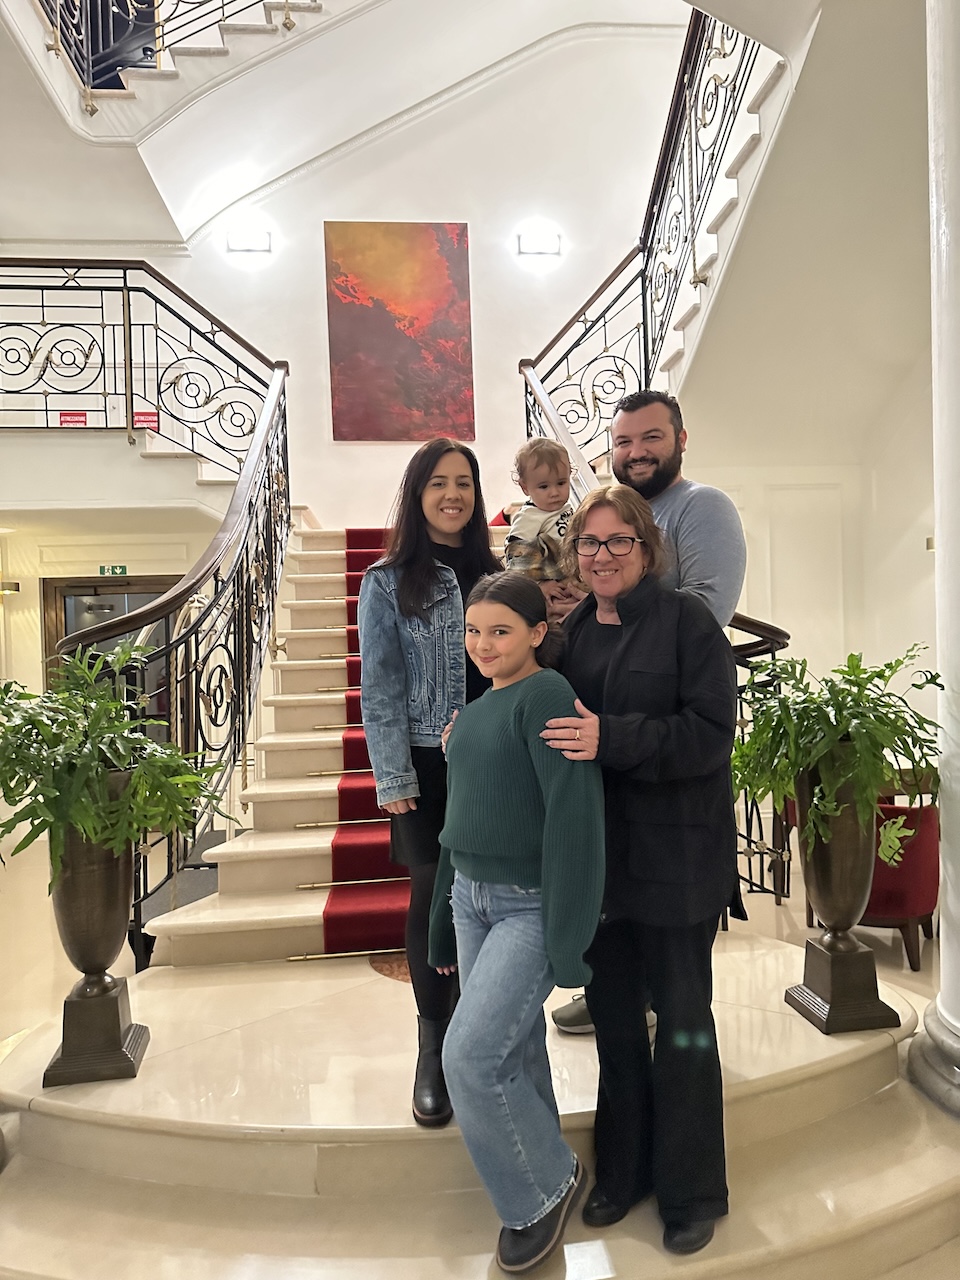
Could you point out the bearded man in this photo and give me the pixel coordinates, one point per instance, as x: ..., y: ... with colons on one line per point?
x: 701, y: 527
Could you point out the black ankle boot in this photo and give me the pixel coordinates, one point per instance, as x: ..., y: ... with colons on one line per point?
x: 431, y: 1105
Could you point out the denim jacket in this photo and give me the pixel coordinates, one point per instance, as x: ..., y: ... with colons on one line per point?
x: 412, y: 675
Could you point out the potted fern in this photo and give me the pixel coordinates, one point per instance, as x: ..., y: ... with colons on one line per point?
x: 78, y: 765
x: 836, y: 746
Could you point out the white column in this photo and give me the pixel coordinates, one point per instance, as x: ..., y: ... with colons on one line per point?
x: 934, y: 1061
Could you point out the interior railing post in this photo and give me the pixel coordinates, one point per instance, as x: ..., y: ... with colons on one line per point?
x: 128, y: 359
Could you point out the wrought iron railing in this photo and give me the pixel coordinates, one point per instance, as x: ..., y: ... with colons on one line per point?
x: 101, y: 38
x: 117, y: 345
x: 210, y: 635
x: 613, y: 344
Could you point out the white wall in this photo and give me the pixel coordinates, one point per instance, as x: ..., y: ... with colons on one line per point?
x: 899, y: 604
x: 59, y: 548
x: 572, y: 135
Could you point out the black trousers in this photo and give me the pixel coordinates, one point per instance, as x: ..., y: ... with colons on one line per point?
x: 659, y: 1125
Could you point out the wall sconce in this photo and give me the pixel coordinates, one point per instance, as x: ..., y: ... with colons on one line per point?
x: 540, y: 242
x: 9, y: 588
x: 248, y: 231
x: 246, y: 240
x: 539, y: 245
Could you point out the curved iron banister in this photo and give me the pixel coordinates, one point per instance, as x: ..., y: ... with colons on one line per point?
x: 135, y: 264
x: 211, y: 562
x: 209, y: 637
x: 115, y: 344
x: 614, y: 342
x: 540, y: 408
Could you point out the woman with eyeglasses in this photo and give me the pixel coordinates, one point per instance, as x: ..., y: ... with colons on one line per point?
x: 656, y: 686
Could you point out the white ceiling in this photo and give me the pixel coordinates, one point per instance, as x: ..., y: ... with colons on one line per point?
x: 393, y: 61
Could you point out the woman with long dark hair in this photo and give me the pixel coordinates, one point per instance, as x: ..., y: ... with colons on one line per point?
x: 414, y: 678
x: 524, y: 837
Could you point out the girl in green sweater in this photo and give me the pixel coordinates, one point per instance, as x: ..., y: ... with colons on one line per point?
x: 523, y: 847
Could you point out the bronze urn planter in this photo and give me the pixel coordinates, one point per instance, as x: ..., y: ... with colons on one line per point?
x: 839, y: 988
x: 91, y: 898
x: 84, y: 766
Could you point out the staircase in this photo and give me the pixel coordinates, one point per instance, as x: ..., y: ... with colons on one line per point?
x: 311, y: 876
x: 198, y: 48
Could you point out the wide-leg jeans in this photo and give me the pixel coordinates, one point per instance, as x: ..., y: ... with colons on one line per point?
x: 495, y: 1053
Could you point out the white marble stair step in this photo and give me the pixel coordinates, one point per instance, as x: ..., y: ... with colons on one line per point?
x: 767, y: 86
x: 745, y: 151
x: 291, y: 804
x: 311, y: 675
x: 300, y: 755
x: 239, y: 928
x: 312, y: 615
x: 318, y: 586
x: 274, y: 1100
x: 318, y: 561
x: 940, y: 1264
x: 314, y: 642
x: 301, y: 513
x: 301, y: 712
x: 273, y: 861
x: 322, y: 539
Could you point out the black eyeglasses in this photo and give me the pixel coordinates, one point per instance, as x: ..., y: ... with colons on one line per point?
x: 621, y: 545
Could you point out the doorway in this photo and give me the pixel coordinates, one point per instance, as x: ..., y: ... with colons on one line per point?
x: 72, y: 604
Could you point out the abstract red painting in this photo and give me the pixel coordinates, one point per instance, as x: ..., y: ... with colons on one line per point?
x: 398, y: 304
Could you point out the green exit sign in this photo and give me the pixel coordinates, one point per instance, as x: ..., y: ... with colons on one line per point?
x: 113, y: 571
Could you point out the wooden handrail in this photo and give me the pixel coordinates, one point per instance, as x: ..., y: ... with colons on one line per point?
x: 580, y: 313
x: 770, y: 639
x: 211, y: 560
x: 138, y: 264
x: 675, y: 120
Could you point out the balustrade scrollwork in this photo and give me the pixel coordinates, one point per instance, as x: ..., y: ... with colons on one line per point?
x: 102, y: 38
x: 614, y: 344
x: 209, y: 638
x: 117, y: 345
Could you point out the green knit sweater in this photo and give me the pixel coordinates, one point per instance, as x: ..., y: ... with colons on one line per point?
x: 519, y: 812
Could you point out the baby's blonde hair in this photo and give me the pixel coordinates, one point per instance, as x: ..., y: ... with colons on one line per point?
x: 540, y: 452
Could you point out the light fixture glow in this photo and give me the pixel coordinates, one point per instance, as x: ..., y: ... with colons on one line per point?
x: 539, y: 245
x: 540, y: 242
x: 249, y: 240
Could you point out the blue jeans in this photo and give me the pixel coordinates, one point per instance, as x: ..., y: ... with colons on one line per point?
x: 495, y: 1052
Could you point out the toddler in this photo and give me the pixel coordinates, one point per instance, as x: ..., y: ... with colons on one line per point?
x: 536, y: 531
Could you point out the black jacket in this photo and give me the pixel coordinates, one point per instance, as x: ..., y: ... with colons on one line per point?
x: 666, y: 733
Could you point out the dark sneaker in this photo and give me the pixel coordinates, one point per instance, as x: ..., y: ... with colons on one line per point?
x: 521, y: 1249
x: 574, y: 1018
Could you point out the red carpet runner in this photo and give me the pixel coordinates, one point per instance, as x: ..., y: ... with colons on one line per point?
x: 364, y: 916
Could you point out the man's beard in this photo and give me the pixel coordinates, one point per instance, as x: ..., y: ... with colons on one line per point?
x: 660, y: 478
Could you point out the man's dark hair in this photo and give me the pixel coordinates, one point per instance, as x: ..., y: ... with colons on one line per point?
x: 641, y: 399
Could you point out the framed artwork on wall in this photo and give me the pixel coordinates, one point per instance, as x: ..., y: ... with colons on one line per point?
x: 398, y: 306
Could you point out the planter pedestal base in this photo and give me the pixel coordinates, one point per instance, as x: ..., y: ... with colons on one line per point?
x: 839, y: 991
x: 100, y: 1040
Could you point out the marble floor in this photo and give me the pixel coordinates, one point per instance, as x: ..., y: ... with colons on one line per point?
x: 274, y: 1100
